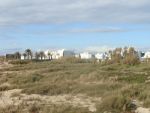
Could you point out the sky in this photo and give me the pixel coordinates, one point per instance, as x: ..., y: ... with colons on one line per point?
x: 89, y: 25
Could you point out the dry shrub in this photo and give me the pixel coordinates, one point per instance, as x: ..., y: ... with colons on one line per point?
x: 51, y: 88
x: 114, y: 103
x: 18, y: 62
x: 69, y: 60
x: 131, y: 60
x: 34, y: 109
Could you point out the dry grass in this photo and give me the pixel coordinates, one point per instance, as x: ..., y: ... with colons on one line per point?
x: 116, y: 84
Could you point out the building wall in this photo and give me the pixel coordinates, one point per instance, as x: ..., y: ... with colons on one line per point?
x: 86, y: 55
x: 68, y: 53
x: 60, y: 53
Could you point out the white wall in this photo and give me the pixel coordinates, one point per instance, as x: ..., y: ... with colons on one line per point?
x: 55, y: 54
x: 100, y: 56
x: 147, y: 55
x: 85, y: 55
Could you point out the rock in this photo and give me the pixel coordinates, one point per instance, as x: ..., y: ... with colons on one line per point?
x: 132, y: 105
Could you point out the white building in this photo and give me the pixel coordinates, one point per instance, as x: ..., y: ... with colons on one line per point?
x: 54, y: 54
x: 26, y: 57
x: 86, y: 55
x: 147, y: 55
x: 60, y: 53
x: 77, y: 55
x: 22, y: 57
x: 100, y: 56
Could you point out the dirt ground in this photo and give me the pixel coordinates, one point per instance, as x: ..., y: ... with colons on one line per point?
x: 15, y: 97
x: 4, y: 65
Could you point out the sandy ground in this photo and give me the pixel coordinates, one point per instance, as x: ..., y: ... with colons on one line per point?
x: 15, y: 97
x: 142, y: 110
x: 4, y: 65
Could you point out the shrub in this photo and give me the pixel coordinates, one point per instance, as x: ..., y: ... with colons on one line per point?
x: 131, y: 60
x: 72, y: 60
x: 34, y: 109
x: 18, y: 62
x: 36, y: 77
x: 113, y: 103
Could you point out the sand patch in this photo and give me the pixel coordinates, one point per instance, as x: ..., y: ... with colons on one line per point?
x: 142, y: 110
x: 4, y: 65
x: 15, y: 97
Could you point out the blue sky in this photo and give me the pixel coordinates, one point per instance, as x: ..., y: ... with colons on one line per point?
x: 82, y: 24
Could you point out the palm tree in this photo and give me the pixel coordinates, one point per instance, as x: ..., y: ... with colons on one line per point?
x: 42, y: 54
x: 17, y: 55
x: 25, y: 55
x: 37, y: 55
x: 29, y: 53
x: 49, y: 55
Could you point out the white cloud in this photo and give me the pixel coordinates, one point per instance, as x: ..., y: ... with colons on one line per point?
x: 14, y: 12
